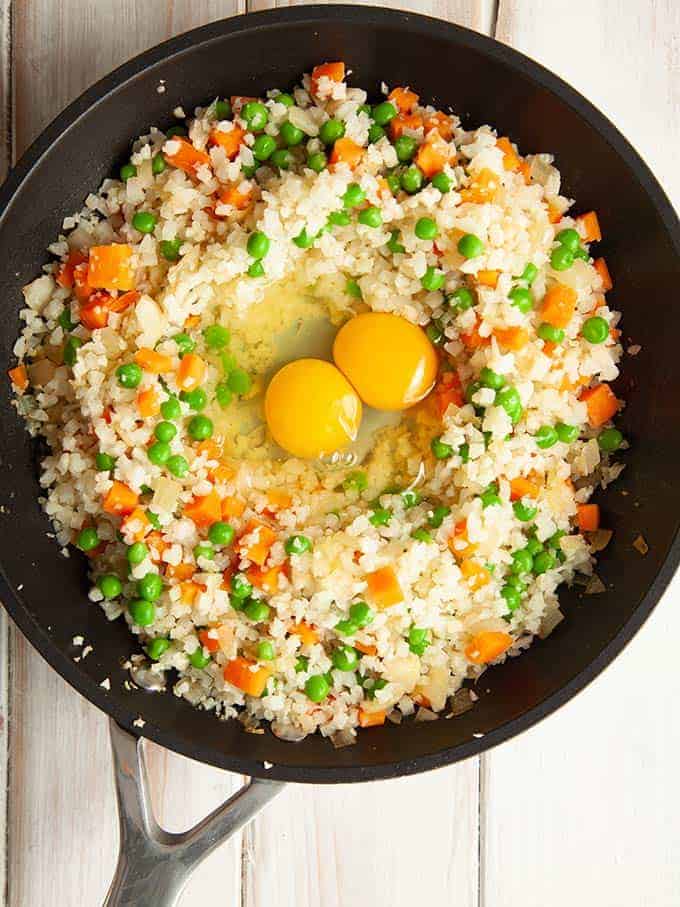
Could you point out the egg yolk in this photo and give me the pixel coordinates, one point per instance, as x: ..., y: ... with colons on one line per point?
x: 311, y: 409
x: 389, y: 361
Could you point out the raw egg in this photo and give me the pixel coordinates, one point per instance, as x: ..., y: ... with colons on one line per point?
x: 311, y: 409
x: 388, y: 360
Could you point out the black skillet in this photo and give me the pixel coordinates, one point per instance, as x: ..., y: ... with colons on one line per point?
x: 485, y: 82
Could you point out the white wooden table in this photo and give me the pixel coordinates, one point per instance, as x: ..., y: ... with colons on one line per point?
x: 582, y: 810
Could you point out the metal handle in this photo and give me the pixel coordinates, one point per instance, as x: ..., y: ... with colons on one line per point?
x: 153, y: 864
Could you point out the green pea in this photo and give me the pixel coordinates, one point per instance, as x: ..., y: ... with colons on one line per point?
x: 222, y: 110
x: 383, y: 113
x: 136, y: 553
x: 569, y: 238
x: 109, y: 585
x: 533, y: 546
x: 550, y: 333
x: 561, y: 258
x: 129, y: 375
x: 555, y: 540
x: 471, y: 390
x: 263, y: 147
x: 145, y: 221
x: 440, y: 449
x: 88, y: 539
x: 153, y: 519
x: 158, y: 164
x: 165, y: 431
x: 375, y: 133
x: 517, y: 583
x: 127, y: 171
x: 64, y: 319
x: 418, y: 639
x: 221, y: 533
x: 356, y: 481
x: 610, y: 439
x: 159, y: 453
x: 439, y: 514
x: 345, y: 658
x: 595, y: 329
x: 177, y: 466
x: 509, y: 399
x: 197, y: 398
x: 150, y: 587
x: 285, y: 99
x: 157, y: 647
x: 216, y: 336
x: 421, y: 535
x: 521, y: 298
x: 512, y: 597
x: 546, y: 437
x: 442, y: 182
x: 228, y: 362
x: 317, y: 161
x: 146, y: 489
x: 582, y: 254
x: 361, y: 614
x: 290, y: 134
x: 529, y: 274
x: 370, y: 217
x: 303, y: 240
x: 104, y: 462
x: 317, y: 687
x: 381, y: 516
x: 240, y: 586
x: 282, y: 158
x: 522, y: 561
x: 249, y: 170
x: 239, y: 381
x: 346, y: 627
x: 256, y: 115
x: 394, y: 245
x: 567, y: 434
x: 256, y: 269
x: 200, y: 428
x: 489, y: 378
x: 405, y: 146
x: 331, y: 131
x: 169, y: 249
x: 257, y: 610
x: 170, y: 408
x: 301, y: 664
x: 464, y: 452
x: 462, y: 299
x: 199, y: 658
x: 142, y: 612
x: 433, y: 279
x: 185, y: 344
x: 354, y: 196
x: 371, y: 685
x: 393, y: 182
x: 426, y: 229
x: 71, y: 351
x: 265, y: 650
x: 410, y: 497
x: 470, y: 246
x: 412, y: 179
x: 223, y: 395
x: 175, y: 130
x: 524, y: 512
x: 205, y: 550
x: 339, y: 219
x: 258, y: 244
x: 298, y: 544
x: 543, y: 562
x: 435, y: 333
x: 489, y: 497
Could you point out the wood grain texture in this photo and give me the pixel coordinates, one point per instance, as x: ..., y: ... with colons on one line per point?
x: 584, y: 808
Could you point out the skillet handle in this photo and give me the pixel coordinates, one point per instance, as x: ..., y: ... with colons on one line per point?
x: 153, y: 864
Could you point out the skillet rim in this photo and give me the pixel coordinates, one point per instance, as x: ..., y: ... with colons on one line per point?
x: 99, y: 93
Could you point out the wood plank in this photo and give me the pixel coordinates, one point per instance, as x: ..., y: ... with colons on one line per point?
x: 582, y: 809
x: 61, y: 803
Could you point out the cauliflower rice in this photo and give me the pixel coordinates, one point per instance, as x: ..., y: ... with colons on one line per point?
x: 348, y: 589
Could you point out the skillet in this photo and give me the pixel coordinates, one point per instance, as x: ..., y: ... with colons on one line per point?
x: 484, y: 82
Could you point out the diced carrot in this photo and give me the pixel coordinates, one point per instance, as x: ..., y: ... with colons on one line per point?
x: 95, y: 314
x: 148, y: 403
x: 221, y: 475
x: 590, y: 226
x: 549, y: 347
x: 279, y: 499
x: 232, y: 195
x: 482, y: 189
x: 181, y: 571
x: 473, y: 340
x: 403, y: 122
x: 136, y: 524
x: 209, y: 449
x: 205, y: 509
x: 81, y: 285
x: 372, y: 718
x: 364, y: 648
x: 191, y: 322
x: 345, y: 151
x: 421, y: 699
x: 525, y: 170
x: 120, y: 499
x: 588, y: 517
x: 247, y: 676
x: 186, y: 157
x: 208, y: 642
x: 260, y: 539
x: 511, y: 160
x: 64, y: 275
x: 110, y: 267
x: 306, y: 633
x: 266, y: 579
x: 230, y: 142
x: 554, y: 213
x: 487, y: 646
x: 476, y: 575
x: 558, y: 306
x: 432, y: 154
x: 511, y: 338
x: 157, y: 545
x: 106, y: 415
x: 232, y: 507
x: 404, y: 99
x: 600, y: 266
x: 153, y: 362
x: 522, y: 487
x: 384, y: 588
x: 19, y: 378
x: 448, y: 392
x: 333, y: 71
x: 488, y: 278
x: 123, y: 302
x: 191, y: 372
x: 459, y: 544
x: 440, y: 122
x: 188, y: 591
x: 601, y: 402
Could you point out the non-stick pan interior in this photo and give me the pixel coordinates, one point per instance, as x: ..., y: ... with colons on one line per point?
x: 484, y: 83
